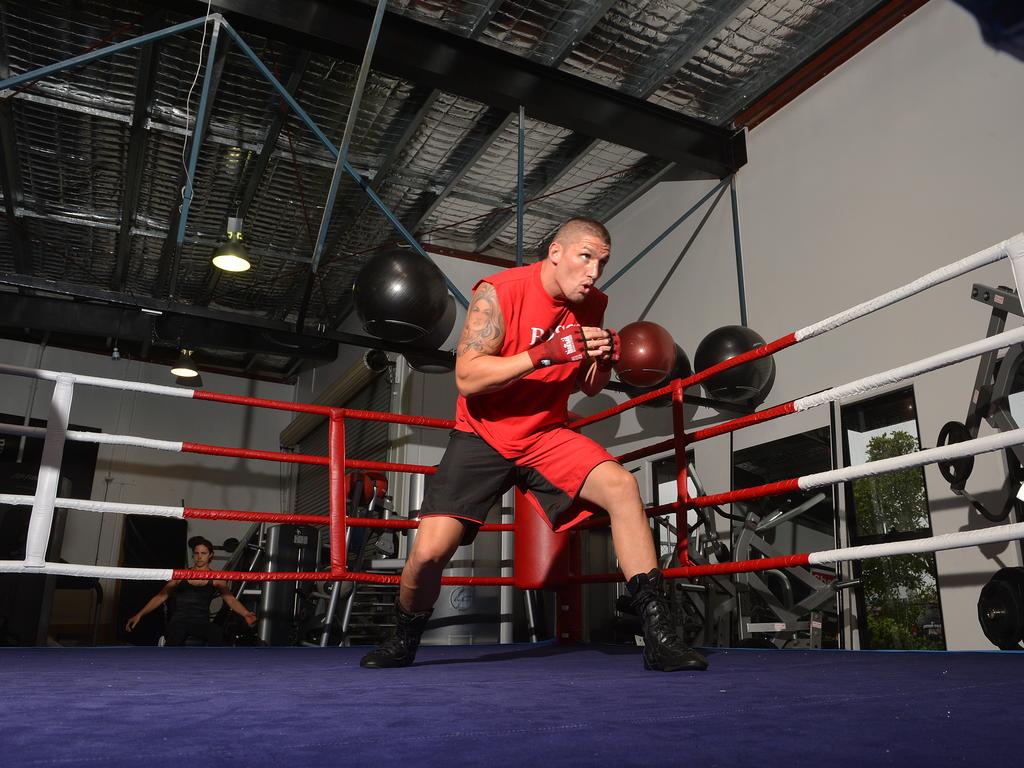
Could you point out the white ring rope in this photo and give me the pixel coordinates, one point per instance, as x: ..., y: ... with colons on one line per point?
x: 917, y: 546
x: 917, y: 459
x: 1012, y: 249
x: 893, y: 375
x: 96, y: 381
x: 95, y: 437
x: 90, y: 571
x: 89, y: 505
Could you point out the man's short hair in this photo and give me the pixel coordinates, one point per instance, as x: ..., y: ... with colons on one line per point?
x: 575, y: 228
x: 579, y: 226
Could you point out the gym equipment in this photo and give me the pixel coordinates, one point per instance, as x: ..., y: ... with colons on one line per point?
x: 1001, y: 608
x: 997, y: 378
x: 744, y: 383
x: 399, y: 295
x: 647, y: 354
x: 437, y: 336
x: 760, y: 608
x: 681, y: 370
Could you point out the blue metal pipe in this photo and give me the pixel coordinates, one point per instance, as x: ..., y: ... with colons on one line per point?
x: 281, y: 90
x: 305, y: 118
x: 520, y: 180
x: 654, y: 243
x: 682, y: 254
x: 110, y: 50
x: 402, y: 230
x: 346, y: 138
x: 197, y: 136
x: 739, y: 250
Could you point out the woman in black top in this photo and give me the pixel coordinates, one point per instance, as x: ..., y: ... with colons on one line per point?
x: 192, y: 603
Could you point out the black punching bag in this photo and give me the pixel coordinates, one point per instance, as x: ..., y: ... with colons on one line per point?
x: 438, y: 335
x: 747, y: 383
x: 399, y: 295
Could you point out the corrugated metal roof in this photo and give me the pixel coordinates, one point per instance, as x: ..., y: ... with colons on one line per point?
x: 445, y: 164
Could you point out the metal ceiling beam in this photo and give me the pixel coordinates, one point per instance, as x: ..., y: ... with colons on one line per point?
x: 597, y: 12
x: 537, y: 208
x: 10, y: 179
x: 481, y: 22
x: 494, y: 77
x: 715, y: 18
x: 421, y: 101
x: 10, y: 182
x: 77, y: 317
x: 105, y: 320
x: 145, y: 78
x: 538, y: 182
x: 492, y: 124
x: 143, y: 352
x: 711, y: 23
x: 413, y: 111
x: 307, y: 294
x: 167, y: 270
x: 87, y: 319
x: 473, y: 146
x: 346, y: 137
x: 355, y: 175
x: 292, y: 367
x: 661, y: 171
x: 276, y: 336
x: 69, y: 106
x: 298, y: 71
x: 840, y: 50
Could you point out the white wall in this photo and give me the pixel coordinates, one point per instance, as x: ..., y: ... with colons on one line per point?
x: 904, y: 159
x: 139, y: 476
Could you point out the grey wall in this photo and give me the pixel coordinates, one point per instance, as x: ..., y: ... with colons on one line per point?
x: 904, y: 159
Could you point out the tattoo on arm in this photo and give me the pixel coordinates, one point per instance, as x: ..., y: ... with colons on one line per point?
x: 484, y: 330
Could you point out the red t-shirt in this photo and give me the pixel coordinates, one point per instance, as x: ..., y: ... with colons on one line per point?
x: 510, y: 417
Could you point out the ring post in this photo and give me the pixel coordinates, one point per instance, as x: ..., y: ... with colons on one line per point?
x: 336, y: 478
x: 544, y: 559
x: 49, y: 473
x: 569, y: 597
x: 682, y: 489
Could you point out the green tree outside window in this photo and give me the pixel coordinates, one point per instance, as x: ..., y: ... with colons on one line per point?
x: 900, y: 593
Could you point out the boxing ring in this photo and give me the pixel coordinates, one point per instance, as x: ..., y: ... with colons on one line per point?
x: 550, y: 703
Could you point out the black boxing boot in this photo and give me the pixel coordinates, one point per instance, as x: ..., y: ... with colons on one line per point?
x: 400, y: 650
x: 663, y: 650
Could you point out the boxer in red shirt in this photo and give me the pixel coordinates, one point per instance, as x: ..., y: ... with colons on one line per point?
x: 532, y: 334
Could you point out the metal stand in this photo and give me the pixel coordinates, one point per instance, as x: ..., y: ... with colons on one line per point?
x: 993, y: 386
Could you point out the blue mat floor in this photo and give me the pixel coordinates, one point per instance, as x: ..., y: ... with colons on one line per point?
x: 506, y: 706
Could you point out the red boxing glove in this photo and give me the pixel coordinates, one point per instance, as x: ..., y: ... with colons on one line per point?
x: 568, y: 347
x: 608, y: 360
x: 594, y: 377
